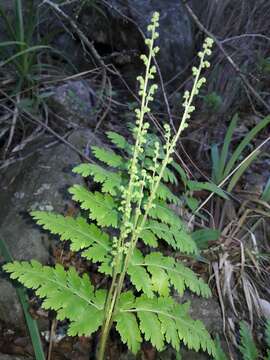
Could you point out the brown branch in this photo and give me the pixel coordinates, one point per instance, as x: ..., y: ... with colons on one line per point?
x: 75, y: 27
x: 30, y: 117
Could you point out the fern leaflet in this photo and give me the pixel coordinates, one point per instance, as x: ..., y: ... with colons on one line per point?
x: 162, y: 319
x: 77, y: 230
x: 108, y: 157
x: 119, y: 141
x: 102, y: 207
x: 71, y: 296
x: 110, y: 181
x: 165, y: 272
x: 175, y: 237
x: 139, y: 276
x: 247, y: 346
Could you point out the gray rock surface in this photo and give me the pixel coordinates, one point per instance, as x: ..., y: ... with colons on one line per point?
x: 40, y: 182
x: 74, y: 102
x: 175, y: 32
x: 206, y: 310
x: 176, y: 39
x: 13, y: 357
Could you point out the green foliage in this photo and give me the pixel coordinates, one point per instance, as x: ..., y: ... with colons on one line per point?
x: 203, y: 236
x: 223, y: 163
x: 219, y: 354
x: 20, y: 53
x: 73, y: 297
x: 264, y: 65
x: 247, y: 346
x: 266, y: 192
x: 213, y: 101
x: 133, y: 204
x: 31, y: 323
x: 169, y: 319
x: 102, y: 207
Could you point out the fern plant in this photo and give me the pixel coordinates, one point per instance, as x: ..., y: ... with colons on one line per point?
x: 134, y: 201
x: 247, y: 345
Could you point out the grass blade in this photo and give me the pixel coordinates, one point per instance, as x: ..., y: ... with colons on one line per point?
x: 215, y: 163
x: 19, y: 28
x: 8, y: 27
x: 225, y: 148
x: 29, y: 50
x: 10, y: 43
x: 198, y: 186
x: 31, y: 323
x: 247, y: 139
x: 241, y: 170
x: 266, y: 193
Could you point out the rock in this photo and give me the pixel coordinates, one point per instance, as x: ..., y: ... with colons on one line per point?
x: 13, y: 357
x: 176, y: 40
x: 39, y: 183
x: 265, y: 308
x: 206, y: 310
x: 10, y: 308
x: 170, y: 354
x: 175, y: 32
x: 74, y: 102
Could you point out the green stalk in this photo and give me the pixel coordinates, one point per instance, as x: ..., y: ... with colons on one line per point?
x: 116, y: 286
x: 118, y: 279
x: 30, y: 322
x: 165, y: 162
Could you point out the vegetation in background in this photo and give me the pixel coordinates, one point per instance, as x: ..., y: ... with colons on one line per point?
x: 30, y: 322
x: 21, y: 53
x: 223, y: 163
x: 247, y: 346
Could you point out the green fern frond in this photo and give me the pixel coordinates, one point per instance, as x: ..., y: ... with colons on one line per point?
x: 70, y: 295
x: 126, y: 323
x: 162, y: 212
x: 247, y: 346
x: 219, y: 354
x: 166, y: 272
x: 76, y: 230
x: 180, y: 172
x: 177, y: 238
x: 111, y: 181
x: 127, y: 326
x: 119, y: 141
x: 108, y: 157
x: 102, y: 207
x: 101, y: 255
x: 139, y: 276
x: 162, y: 319
x: 184, y: 241
x: 165, y: 194
x: 149, y: 238
x: 159, y: 230
x: 267, y: 333
x: 168, y: 175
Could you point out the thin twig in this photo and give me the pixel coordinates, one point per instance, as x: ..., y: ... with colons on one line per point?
x: 13, y: 125
x: 227, y: 56
x: 73, y: 24
x: 30, y: 117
